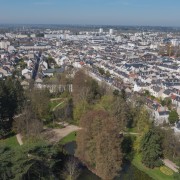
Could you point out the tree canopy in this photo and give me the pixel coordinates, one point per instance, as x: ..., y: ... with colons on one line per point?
x: 98, y: 143
x: 173, y: 117
x: 11, y: 100
x: 31, y: 161
x: 151, y: 148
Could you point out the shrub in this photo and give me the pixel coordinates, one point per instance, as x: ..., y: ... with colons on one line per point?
x: 165, y: 170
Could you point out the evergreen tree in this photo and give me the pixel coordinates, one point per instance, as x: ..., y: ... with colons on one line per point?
x: 173, y: 117
x: 151, y: 148
x: 31, y: 161
x: 11, y: 99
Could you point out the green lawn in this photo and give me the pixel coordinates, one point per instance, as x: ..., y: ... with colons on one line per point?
x: 11, y: 141
x: 154, y: 173
x: 69, y: 138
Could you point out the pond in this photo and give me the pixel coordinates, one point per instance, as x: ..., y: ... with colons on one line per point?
x: 130, y: 172
x: 70, y: 147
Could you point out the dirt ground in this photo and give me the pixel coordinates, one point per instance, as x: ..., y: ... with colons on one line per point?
x: 55, y: 135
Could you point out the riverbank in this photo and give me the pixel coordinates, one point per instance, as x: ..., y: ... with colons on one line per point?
x: 155, y: 173
x: 129, y: 170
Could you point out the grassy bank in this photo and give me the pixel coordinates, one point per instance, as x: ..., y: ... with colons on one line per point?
x: 11, y: 141
x: 154, y: 173
x: 69, y: 138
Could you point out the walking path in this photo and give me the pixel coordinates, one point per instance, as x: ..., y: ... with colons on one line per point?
x: 55, y: 135
x: 55, y: 99
x: 171, y: 165
x: 57, y: 106
x: 19, y: 139
x: 131, y: 133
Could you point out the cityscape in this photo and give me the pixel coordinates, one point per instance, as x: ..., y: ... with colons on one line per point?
x: 144, y: 60
x: 85, y: 100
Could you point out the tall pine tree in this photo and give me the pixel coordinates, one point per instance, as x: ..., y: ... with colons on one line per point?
x: 151, y: 149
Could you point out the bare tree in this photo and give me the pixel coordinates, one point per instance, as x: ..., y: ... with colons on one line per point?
x: 99, y: 144
x: 80, y: 86
x: 71, y: 169
x: 27, y: 123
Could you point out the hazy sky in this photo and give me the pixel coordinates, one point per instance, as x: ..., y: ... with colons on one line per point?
x: 112, y: 12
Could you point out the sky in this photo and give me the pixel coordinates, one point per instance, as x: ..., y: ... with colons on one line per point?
x: 91, y: 12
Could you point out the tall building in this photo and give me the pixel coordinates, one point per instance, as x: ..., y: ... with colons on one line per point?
x: 101, y: 30
x: 111, y: 31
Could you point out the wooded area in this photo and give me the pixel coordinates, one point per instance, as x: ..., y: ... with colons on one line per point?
x: 114, y: 128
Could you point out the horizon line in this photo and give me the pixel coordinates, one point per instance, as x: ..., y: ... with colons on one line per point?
x: 112, y: 25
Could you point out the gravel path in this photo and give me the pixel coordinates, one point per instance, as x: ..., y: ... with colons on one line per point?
x: 55, y: 135
x: 19, y: 139
x: 170, y: 165
x: 55, y: 99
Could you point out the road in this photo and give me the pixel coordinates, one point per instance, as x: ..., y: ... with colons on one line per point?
x: 36, y: 67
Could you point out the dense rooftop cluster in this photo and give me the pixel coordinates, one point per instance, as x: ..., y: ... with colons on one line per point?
x: 144, y: 61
